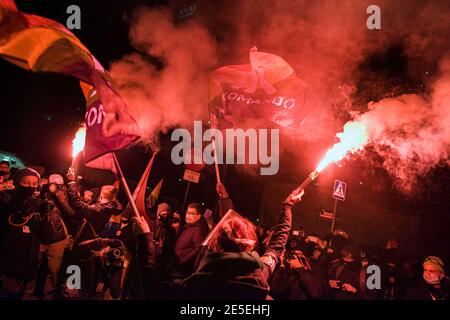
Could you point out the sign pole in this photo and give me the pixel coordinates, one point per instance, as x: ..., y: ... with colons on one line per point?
x: 339, y: 192
x: 185, y: 195
x: 334, y: 217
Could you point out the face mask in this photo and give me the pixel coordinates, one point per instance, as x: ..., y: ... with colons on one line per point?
x: 432, y: 279
x: 3, y: 173
x: 25, y: 192
x: 163, y: 219
x: 176, y: 220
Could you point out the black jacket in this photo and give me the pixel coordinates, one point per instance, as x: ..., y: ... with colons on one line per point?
x: 97, y: 214
x: 299, y: 284
x: 66, y: 211
x: 188, y: 246
x: 19, y: 245
x: 345, y: 273
x: 52, y: 228
x: 164, y: 237
x: 146, y: 261
x: 227, y: 276
x: 425, y: 291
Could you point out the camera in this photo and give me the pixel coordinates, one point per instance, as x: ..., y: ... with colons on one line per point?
x: 50, y: 189
x: 300, y: 257
x: 111, y: 252
x: 46, y: 207
x: 114, y: 257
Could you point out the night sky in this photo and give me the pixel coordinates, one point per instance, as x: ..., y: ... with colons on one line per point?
x: 41, y: 112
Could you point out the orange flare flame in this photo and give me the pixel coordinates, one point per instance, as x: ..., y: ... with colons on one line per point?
x: 78, y: 141
x: 353, y: 138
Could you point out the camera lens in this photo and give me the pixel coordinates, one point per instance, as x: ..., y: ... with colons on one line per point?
x: 117, y: 253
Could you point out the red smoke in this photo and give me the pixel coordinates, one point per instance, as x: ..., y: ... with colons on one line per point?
x: 325, y: 42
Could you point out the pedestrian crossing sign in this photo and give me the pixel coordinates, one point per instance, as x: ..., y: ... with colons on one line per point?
x: 339, y: 190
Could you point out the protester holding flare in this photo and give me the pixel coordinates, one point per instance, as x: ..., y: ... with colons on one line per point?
x: 98, y: 214
x: 231, y: 269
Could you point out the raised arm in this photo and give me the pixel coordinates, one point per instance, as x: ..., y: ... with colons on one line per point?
x: 281, y: 233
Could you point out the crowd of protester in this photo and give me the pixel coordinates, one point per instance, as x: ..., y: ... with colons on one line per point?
x: 50, y: 224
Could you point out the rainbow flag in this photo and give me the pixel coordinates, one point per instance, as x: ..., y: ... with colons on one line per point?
x: 39, y: 44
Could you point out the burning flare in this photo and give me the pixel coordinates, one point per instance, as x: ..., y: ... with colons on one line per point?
x: 78, y: 141
x: 352, y: 139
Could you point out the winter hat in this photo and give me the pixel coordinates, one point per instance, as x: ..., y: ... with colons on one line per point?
x: 435, y: 261
x: 353, y: 250
x: 22, y: 173
x: 164, y: 207
x: 56, y: 179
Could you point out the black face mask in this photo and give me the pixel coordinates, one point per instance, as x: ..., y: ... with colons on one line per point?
x: 176, y: 220
x: 3, y: 173
x: 25, y: 192
x: 163, y: 219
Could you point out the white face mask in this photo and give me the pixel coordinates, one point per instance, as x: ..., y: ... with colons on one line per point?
x: 432, y: 278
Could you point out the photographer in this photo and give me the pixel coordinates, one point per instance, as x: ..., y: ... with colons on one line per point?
x: 53, y: 237
x: 304, y: 276
x: 309, y: 269
x: 19, y: 244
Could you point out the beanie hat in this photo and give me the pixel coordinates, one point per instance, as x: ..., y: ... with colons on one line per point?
x: 435, y: 261
x: 164, y: 207
x: 56, y: 179
x: 22, y: 173
x: 353, y: 250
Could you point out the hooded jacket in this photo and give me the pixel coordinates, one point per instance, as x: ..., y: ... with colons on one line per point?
x: 226, y: 276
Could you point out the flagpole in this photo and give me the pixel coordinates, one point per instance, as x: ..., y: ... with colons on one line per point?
x: 125, y: 186
x: 216, y: 163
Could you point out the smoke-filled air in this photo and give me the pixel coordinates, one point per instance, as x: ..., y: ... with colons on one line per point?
x: 328, y: 45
